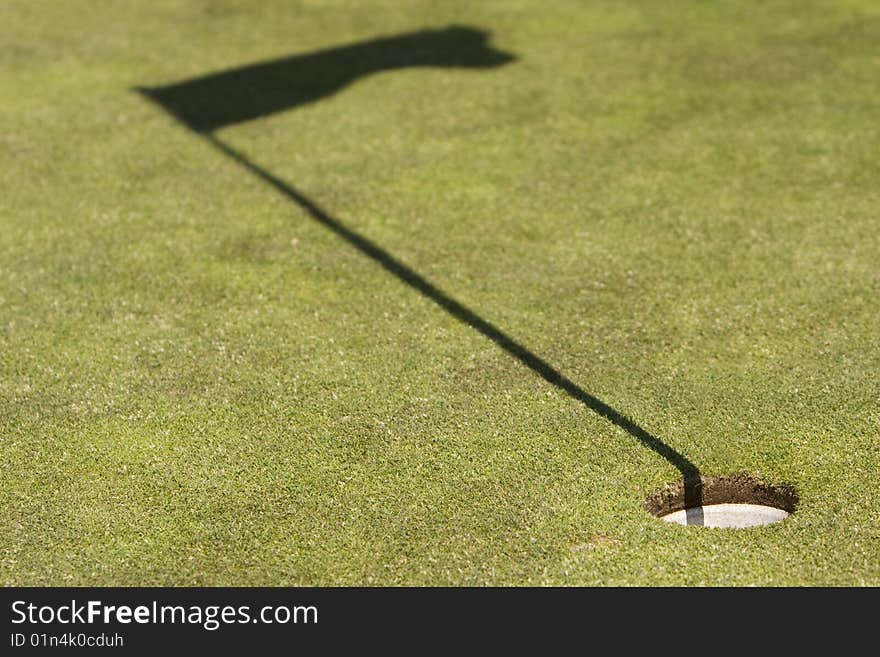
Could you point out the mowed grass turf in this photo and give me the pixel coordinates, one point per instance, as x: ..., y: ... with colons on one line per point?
x: 675, y: 204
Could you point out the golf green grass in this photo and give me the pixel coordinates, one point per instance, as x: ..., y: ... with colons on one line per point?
x: 675, y: 205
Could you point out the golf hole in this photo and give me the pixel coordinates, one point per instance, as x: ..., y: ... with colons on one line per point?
x: 737, y: 501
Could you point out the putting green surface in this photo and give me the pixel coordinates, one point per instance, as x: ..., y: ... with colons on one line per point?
x: 673, y: 204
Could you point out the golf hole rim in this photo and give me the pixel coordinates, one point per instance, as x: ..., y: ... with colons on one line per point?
x: 740, y: 489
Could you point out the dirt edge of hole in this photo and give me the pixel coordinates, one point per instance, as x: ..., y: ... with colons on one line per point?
x: 739, y: 488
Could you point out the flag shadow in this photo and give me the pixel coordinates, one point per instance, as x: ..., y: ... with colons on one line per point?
x: 217, y: 100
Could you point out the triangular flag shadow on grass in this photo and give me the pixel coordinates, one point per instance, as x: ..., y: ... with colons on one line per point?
x: 210, y: 102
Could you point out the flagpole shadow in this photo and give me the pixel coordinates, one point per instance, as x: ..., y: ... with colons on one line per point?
x: 689, y: 472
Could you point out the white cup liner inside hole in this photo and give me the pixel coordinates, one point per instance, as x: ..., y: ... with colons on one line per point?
x: 736, y: 516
